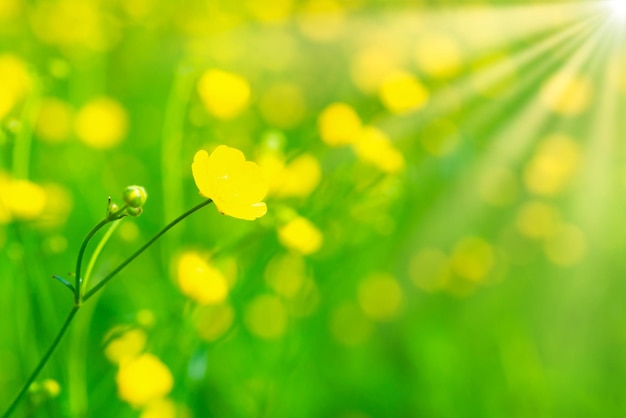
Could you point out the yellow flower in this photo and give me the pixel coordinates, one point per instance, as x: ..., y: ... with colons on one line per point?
x: 102, y: 123
x: 225, y: 95
x: 301, y: 235
x: 143, y: 380
x: 235, y: 185
x: 339, y: 125
x: 201, y: 281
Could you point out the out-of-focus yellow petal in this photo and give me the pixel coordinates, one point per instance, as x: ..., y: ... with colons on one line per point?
x: 301, y: 235
x: 225, y: 95
x: 143, y: 379
x: 201, y: 281
x: 339, y: 124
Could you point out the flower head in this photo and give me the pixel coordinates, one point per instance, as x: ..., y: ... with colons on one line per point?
x: 235, y: 185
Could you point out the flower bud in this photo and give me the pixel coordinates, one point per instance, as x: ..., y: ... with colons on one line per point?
x: 134, y: 211
x: 135, y: 197
x: 113, y: 211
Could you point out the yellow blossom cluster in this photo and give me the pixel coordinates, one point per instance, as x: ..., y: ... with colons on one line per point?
x: 339, y: 124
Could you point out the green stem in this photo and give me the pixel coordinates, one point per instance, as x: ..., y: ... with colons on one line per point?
x: 24, y: 139
x: 81, y: 253
x: 92, y: 292
x: 43, y: 361
x: 119, y: 268
x: 98, y: 250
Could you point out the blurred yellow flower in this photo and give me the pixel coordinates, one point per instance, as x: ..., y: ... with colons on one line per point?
x: 225, y: 95
x: 160, y: 408
x: 438, y: 55
x: 370, y: 66
x: 126, y: 346
x: 101, y: 123
x: 566, y: 93
x: 164, y: 408
x: 200, y: 281
x: 321, y: 20
x: 54, y: 123
x: 143, y: 380
x: 301, y: 235
x: 21, y: 199
x: 235, y: 185
x: 15, y: 82
x: 298, y: 178
x: 51, y: 387
x: 402, y: 92
x: 375, y: 148
x: 339, y: 124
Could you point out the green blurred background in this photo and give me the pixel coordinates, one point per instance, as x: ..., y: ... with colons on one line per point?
x: 444, y: 235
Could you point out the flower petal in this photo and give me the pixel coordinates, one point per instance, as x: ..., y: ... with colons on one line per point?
x: 248, y: 213
x: 200, y: 170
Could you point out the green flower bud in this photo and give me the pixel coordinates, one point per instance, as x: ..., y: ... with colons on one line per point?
x: 113, y: 211
x: 134, y: 211
x: 135, y: 197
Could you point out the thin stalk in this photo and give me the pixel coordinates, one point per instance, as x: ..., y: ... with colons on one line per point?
x: 119, y: 268
x: 24, y: 139
x: 79, y: 259
x: 43, y: 361
x: 78, y: 300
x: 98, y: 250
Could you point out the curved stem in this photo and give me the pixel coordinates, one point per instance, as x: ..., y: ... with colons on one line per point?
x: 98, y: 250
x: 119, y: 268
x: 79, y: 259
x: 90, y: 293
x: 43, y: 361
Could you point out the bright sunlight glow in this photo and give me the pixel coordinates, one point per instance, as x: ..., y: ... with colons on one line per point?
x: 617, y: 8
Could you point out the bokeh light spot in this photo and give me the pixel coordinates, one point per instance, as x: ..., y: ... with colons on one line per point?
x: 213, y: 321
x: 473, y: 258
x: 567, y: 246
x: 54, y: 123
x: 551, y: 169
x: 537, y: 220
x: 266, y: 317
x: 143, y: 379
x: 201, y: 281
x: 125, y: 347
x: 567, y: 93
x: 438, y: 55
x: 301, y: 235
x: 401, y: 92
x: 430, y: 269
x: 101, y: 123
x: 339, y: 124
x: 349, y: 326
x: 374, y: 147
x: 225, y: 95
x: 380, y: 297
